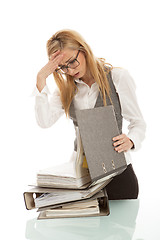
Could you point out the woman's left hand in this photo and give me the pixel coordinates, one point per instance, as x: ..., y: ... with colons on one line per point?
x: 123, y: 143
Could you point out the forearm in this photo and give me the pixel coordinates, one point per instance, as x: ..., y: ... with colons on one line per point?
x: 137, y: 133
x: 41, y: 82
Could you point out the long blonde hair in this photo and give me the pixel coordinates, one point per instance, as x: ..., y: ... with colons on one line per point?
x: 98, y: 69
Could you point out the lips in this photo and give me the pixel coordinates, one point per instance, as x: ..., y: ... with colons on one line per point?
x: 76, y: 74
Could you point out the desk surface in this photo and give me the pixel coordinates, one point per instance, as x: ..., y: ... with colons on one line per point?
x: 128, y: 219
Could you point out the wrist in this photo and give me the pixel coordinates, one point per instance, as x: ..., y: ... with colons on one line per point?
x: 41, y: 82
x: 41, y: 77
x: 132, y: 147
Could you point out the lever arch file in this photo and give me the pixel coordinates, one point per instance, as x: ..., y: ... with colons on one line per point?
x: 97, y: 127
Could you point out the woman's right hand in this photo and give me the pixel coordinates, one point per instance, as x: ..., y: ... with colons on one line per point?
x: 48, y: 69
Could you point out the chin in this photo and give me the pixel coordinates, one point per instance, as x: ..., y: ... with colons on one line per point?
x: 78, y: 76
x: 81, y: 75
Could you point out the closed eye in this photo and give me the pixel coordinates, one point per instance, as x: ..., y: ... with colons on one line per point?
x: 65, y: 66
x: 72, y: 61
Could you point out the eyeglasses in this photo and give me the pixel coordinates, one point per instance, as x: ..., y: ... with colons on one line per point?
x: 73, y: 64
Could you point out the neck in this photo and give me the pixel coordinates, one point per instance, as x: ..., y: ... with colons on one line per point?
x: 88, y: 78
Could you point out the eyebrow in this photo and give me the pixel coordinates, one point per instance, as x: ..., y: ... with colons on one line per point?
x: 66, y: 61
x: 69, y: 59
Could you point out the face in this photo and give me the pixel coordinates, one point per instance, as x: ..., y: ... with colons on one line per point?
x: 69, y: 56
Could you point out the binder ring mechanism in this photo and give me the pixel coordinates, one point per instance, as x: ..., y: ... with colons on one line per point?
x: 104, y: 168
x: 113, y: 165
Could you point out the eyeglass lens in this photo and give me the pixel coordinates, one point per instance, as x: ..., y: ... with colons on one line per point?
x: 73, y: 64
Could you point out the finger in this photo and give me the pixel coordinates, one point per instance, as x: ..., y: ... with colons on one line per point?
x: 57, y: 59
x: 52, y: 56
x: 118, y: 142
x: 122, y: 147
x: 53, y: 63
x: 118, y: 137
x: 123, y: 150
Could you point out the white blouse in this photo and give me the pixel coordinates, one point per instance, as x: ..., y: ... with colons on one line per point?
x: 48, y: 112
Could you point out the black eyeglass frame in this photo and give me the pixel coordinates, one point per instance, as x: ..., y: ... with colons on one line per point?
x: 67, y: 66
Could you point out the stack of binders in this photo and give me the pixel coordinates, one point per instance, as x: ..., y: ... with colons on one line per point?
x: 77, y: 188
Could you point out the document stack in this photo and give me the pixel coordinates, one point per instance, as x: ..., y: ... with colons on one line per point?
x: 77, y: 188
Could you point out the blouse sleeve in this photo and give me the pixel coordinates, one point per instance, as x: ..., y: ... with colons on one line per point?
x: 47, y: 112
x: 125, y: 87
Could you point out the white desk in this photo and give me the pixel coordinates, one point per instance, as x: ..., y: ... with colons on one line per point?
x: 128, y: 219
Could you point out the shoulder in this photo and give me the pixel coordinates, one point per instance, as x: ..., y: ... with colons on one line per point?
x: 117, y: 73
x: 122, y: 78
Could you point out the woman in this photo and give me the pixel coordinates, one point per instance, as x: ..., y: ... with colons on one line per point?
x: 81, y: 79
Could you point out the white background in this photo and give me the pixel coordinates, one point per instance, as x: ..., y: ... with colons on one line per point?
x: 125, y: 33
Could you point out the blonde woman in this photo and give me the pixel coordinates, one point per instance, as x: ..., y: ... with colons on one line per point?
x: 85, y: 81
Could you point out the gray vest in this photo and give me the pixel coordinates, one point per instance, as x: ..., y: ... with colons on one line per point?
x: 99, y: 103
